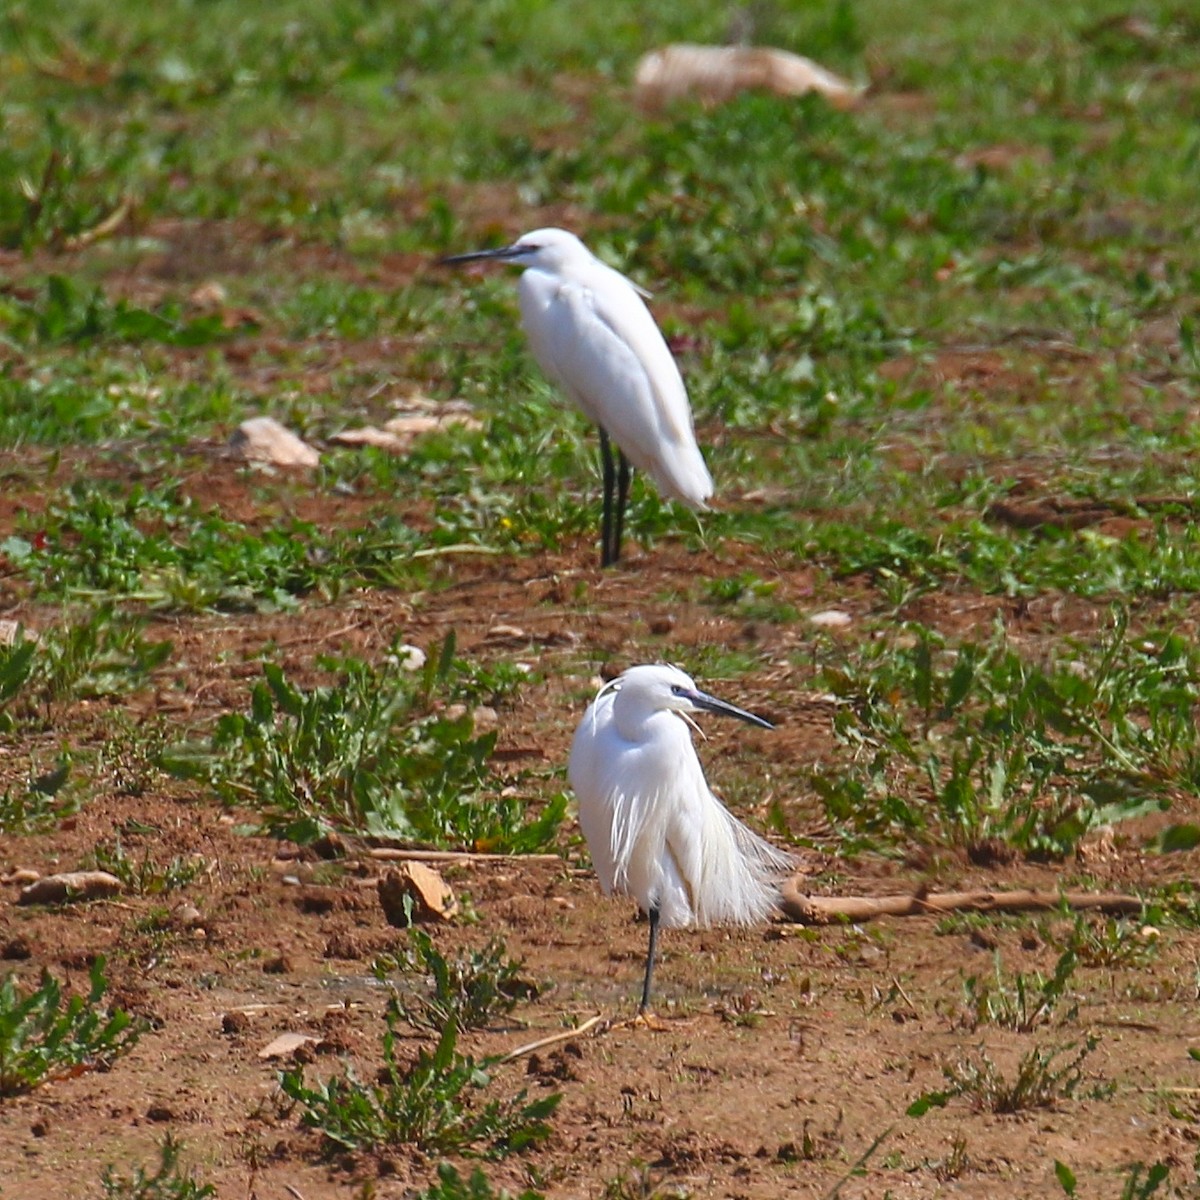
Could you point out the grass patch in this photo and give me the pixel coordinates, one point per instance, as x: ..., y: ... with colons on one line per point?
x: 370, y: 753
x: 42, y: 1039
x: 425, y: 1104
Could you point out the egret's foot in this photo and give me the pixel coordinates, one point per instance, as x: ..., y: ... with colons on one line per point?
x: 645, y: 1019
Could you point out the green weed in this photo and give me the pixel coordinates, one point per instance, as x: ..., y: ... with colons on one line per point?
x: 978, y: 744
x: 42, y: 1039
x: 425, y: 1104
x: 1041, y: 1080
x: 37, y: 803
x: 451, y: 1186
x: 1020, y: 1003
x: 471, y: 989
x: 369, y: 753
x: 145, y: 876
x: 101, y: 656
x: 168, y: 1181
x: 1107, y: 943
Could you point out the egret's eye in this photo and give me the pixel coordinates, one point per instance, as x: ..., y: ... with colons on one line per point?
x: 677, y: 689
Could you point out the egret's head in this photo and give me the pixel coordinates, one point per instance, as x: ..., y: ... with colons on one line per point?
x: 543, y: 249
x: 643, y: 691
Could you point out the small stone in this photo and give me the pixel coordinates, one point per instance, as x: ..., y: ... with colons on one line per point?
x: 12, y: 632
x: 21, y: 876
x: 410, y: 658
x: 263, y: 439
x: 485, y: 718
x: 661, y: 626
x: 209, y: 296
x: 412, y: 424
x: 285, y: 1044
x: 73, y: 885
x: 431, y: 898
x: 188, y: 915
x: 831, y: 618
x: 368, y: 435
x: 506, y: 633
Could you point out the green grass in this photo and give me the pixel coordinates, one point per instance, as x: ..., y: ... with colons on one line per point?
x: 43, y: 1038
x: 426, y: 1104
x: 369, y: 753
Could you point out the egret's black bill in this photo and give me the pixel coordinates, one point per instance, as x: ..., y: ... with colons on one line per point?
x: 712, y: 704
x: 502, y: 254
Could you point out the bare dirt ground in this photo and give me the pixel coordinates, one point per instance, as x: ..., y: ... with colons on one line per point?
x: 786, y: 1053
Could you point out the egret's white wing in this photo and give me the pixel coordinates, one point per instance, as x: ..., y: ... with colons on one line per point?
x: 598, y: 341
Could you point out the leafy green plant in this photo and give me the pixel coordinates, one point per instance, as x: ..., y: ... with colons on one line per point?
x: 426, y: 1104
x: 471, y: 989
x: 42, y: 1039
x: 36, y: 804
x: 1008, y: 751
x: 1142, y: 1182
x: 103, y: 655
x: 168, y: 1181
x: 1108, y: 943
x: 451, y: 1186
x: 368, y: 753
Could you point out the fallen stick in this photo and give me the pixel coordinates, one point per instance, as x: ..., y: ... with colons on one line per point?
x: 824, y: 910
x: 553, y: 1039
x: 395, y: 854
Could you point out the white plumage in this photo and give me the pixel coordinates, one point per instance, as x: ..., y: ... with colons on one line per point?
x: 654, y: 828
x: 593, y: 336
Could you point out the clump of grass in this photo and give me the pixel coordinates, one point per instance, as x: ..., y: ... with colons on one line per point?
x: 471, y: 989
x: 1020, y: 1002
x: 145, y: 876
x: 103, y: 655
x: 980, y: 747
x: 167, y: 1182
x: 1108, y: 943
x: 426, y: 1104
x: 41, y: 1038
x: 1041, y: 1080
x: 36, y: 804
x: 451, y: 1186
x: 370, y: 753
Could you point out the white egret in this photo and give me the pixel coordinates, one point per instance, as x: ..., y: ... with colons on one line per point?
x: 655, y: 830
x: 593, y: 336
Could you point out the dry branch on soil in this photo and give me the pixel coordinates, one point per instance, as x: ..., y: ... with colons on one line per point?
x: 822, y: 910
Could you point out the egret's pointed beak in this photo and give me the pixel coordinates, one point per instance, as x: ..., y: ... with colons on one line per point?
x: 712, y: 704
x: 503, y: 254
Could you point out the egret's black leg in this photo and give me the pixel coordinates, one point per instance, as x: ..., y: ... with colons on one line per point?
x: 624, y: 472
x: 653, y: 914
x: 607, y: 553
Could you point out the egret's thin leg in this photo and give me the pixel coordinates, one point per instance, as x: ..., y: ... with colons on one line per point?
x: 607, y: 556
x: 624, y: 472
x: 653, y: 914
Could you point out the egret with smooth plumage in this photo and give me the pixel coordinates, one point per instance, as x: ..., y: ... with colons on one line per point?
x: 594, y: 337
x: 654, y: 828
